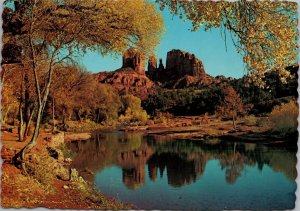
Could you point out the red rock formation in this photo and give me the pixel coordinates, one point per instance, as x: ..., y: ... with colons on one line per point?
x: 134, y: 59
x: 161, y: 66
x: 126, y: 80
x: 131, y: 77
x: 182, y: 69
x: 181, y: 63
x: 152, y: 64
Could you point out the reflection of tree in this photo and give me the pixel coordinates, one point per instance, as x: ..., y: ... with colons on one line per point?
x: 101, y: 151
x: 233, y: 157
x: 184, y: 161
x: 234, y: 165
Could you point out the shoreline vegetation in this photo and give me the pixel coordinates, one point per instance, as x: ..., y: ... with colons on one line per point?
x: 51, y: 158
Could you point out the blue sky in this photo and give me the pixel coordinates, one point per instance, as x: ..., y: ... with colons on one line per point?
x: 208, y: 46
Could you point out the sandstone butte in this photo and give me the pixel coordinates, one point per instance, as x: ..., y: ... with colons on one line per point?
x: 182, y: 70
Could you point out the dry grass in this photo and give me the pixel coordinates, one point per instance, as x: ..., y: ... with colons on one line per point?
x: 27, y: 190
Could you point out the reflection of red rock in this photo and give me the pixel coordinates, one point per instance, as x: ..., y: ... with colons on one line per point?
x: 152, y: 169
x: 133, y: 165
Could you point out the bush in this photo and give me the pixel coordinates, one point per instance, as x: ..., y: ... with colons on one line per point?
x: 66, y: 151
x: 250, y: 120
x: 283, y: 118
x: 133, y: 112
x: 164, y: 118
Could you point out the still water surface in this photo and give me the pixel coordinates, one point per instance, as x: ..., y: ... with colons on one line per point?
x: 158, y: 173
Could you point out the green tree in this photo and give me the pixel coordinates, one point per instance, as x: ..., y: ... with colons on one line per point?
x: 264, y: 32
x: 50, y: 32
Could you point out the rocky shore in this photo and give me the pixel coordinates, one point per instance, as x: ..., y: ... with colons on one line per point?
x: 52, y: 183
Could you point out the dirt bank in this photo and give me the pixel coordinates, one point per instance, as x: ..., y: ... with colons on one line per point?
x: 43, y: 188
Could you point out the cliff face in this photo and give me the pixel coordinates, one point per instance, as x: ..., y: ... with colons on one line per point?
x: 127, y: 80
x: 181, y: 63
x: 134, y: 59
x: 131, y: 77
x: 152, y: 64
x: 182, y: 69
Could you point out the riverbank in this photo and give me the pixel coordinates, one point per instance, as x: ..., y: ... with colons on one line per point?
x: 197, y: 128
x: 52, y: 185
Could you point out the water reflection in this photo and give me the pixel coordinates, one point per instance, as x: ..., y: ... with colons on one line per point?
x: 183, y: 161
x: 133, y: 164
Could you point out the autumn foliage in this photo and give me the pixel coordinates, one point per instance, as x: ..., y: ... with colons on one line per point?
x: 283, y: 118
x: 263, y: 32
x: 232, y: 106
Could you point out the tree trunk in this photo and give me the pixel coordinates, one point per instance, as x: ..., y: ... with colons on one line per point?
x: 21, y: 122
x: 28, y: 123
x: 233, y: 120
x: 64, y: 116
x: 78, y: 114
x: 34, y: 138
x: 2, y: 74
x: 5, y: 115
x: 98, y: 116
x: 53, y: 115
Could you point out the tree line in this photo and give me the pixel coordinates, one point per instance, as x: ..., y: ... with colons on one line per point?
x: 208, y: 99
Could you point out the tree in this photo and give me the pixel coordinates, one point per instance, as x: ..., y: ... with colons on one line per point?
x: 108, y: 104
x: 264, y: 32
x: 232, y: 106
x: 133, y: 110
x: 76, y: 91
x: 50, y: 32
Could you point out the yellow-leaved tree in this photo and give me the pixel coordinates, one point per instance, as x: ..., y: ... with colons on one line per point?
x: 133, y: 110
x: 264, y: 32
x: 50, y: 32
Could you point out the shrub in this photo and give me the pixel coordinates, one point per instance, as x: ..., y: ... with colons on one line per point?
x: 250, y: 120
x: 66, y: 151
x: 283, y: 118
x: 133, y: 110
x: 164, y: 118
